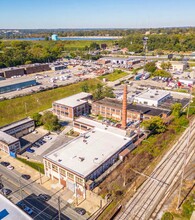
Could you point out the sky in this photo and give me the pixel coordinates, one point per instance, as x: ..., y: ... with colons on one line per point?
x: 34, y: 14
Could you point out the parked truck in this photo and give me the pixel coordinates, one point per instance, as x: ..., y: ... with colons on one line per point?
x: 138, y: 76
x: 146, y: 76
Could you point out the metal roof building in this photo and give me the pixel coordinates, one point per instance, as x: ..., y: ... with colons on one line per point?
x: 9, y: 211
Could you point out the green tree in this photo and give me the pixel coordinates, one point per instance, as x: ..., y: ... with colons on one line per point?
x: 108, y: 92
x: 165, y: 65
x: 176, y: 109
x: 155, y: 125
x: 167, y: 216
x: 150, y: 67
x: 37, y: 118
x: 94, y: 46
x: 98, y: 93
x: 85, y: 87
x: 50, y: 121
x: 161, y: 73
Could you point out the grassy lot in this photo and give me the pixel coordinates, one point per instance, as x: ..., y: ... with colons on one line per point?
x: 117, y: 74
x: 192, y: 64
x: 14, y: 109
x: 34, y: 165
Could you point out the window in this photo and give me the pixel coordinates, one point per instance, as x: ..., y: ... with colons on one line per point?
x: 62, y: 172
x: 54, y: 168
x: 70, y: 175
x: 79, y: 180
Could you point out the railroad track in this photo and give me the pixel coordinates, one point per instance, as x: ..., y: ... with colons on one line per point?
x: 143, y: 203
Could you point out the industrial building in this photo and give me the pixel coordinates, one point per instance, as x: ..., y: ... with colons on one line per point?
x: 10, y: 134
x: 78, y: 164
x: 36, y: 68
x: 9, y: 85
x: 58, y: 67
x: 9, y: 143
x: 72, y: 106
x: 119, y: 60
x: 152, y: 97
x: 112, y: 108
x: 187, y: 82
x: 25, y: 69
x: 175, y: 65
x: 12, y: 71
x: 9, y: 211
x: 19, y: 128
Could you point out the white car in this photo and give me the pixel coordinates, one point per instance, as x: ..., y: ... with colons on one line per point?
x: 10, y: 167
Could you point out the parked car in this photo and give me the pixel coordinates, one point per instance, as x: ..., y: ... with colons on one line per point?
x: 28, y: 210
x: 21, y: 204
x: 44, y: 197
x: 80, y: 211
x: 5, y: 191
x: 10, y: 167
x: 25, y: 176
x: 30, y: 150
x: 5, y: 164
x: 1, y: 185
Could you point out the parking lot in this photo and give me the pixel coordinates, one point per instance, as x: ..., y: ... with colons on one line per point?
x: 45, y: 145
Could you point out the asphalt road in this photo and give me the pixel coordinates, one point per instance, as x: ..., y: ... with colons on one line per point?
x: 28, y: 194
x: 148, y: 196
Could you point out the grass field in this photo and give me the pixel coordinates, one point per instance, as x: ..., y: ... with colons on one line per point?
x: 34, y: 165
x: 14, y: 109
x: 117, y: 74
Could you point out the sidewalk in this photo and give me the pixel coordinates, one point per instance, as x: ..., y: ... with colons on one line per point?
x: 91, y: 203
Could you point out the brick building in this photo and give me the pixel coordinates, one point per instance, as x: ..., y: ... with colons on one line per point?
x: 112, y: 108
x: 73, y: 106
x: 10, y: 134
x: 9, y: 143
x: 79, y: 164
x: 35, y: 68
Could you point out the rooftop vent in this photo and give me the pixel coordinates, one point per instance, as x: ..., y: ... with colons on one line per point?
x: 151, y: 96
x: 59, y: 160
x: 55, y: 155
x: 81, y: 159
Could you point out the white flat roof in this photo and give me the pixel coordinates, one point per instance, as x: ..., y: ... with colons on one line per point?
x: 9, y: 211
x: 74, y: 100
x: 153, y: 94
x: 6, y: 138
x: 83, y: 158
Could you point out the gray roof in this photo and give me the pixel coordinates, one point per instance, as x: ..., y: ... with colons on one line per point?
x: 14, y: 81
x: 6, y: 138
x: 15, y: 124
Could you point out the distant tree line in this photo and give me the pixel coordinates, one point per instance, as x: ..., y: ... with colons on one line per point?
x: 169, y: 42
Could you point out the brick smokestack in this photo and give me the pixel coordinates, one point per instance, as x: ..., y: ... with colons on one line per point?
x: 124, y: 109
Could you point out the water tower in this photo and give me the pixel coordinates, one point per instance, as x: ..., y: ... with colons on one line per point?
x: 54, y: 37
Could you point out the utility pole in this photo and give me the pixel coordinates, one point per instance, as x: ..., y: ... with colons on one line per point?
x: 189, y: 102
x: 40, y: 176
x: 59, y: 208
x: 183, y: 168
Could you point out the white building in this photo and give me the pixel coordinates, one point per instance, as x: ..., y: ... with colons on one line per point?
x: 187, y: 81
x: 175, y: 65
x: 79, y: 163
x: 152, y: 97
x: 9, y: 211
